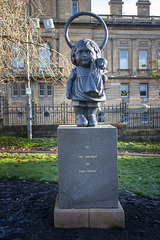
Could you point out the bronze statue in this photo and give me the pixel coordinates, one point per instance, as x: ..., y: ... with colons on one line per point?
x: 85, y: 83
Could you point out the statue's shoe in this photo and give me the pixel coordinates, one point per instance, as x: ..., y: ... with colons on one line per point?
x: 92, y: 121
x: 81, y: 121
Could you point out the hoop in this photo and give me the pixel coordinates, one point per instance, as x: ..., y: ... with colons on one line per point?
x: 89, y: 14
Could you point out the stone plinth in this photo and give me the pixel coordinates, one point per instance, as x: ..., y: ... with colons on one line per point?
x: 87, y: 159
x: 89, y: 218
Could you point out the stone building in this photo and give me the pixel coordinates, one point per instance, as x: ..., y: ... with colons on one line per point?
x: 133, y: 44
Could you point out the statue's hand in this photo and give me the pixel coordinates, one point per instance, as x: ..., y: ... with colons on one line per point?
x: 69, y: 94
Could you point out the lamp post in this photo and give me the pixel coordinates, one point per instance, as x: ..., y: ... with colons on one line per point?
x: 28, y: 91
x: 49, y: 25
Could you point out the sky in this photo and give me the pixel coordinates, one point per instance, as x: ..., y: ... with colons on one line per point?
x: 129, y: 7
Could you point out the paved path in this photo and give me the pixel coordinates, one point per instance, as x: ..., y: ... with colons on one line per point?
x: 120, y: 153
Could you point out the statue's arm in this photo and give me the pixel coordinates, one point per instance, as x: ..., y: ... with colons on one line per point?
x: 69, y: 85
x: 104, y: 78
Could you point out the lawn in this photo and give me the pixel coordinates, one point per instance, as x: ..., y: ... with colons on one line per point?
x: 36, y: 167
x: 141, y: 146
x: 24, y: 142
x: 139, y: 175
x: 52, y: 142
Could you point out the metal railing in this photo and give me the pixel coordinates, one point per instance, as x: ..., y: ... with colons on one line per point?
x: 54, y: 114
x: 1, y: 106
x: 64, y: 114
x: 41, y: 115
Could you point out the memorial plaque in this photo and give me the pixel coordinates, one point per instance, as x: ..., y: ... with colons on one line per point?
x: 88, y: 175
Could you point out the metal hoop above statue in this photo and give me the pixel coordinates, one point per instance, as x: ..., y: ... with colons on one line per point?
x: 88, y: 14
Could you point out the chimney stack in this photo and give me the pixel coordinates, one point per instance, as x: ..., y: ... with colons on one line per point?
x: 115, y: 7
x: 143, y: 8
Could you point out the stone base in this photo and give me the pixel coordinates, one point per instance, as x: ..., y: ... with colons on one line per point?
x: 89, y: 218
x: 87, y: 166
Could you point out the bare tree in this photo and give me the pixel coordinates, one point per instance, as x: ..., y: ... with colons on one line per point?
x: 23, y: 47
x: 24, y: 52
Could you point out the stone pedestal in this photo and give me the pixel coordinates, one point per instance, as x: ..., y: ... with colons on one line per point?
x: 88, y: 178
x: 102, y: 218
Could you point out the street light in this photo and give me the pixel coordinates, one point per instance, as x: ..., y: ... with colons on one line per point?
x: 49, y: 25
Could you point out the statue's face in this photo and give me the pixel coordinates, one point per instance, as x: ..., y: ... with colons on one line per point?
x: 102, y: 64
x: 84, y: 56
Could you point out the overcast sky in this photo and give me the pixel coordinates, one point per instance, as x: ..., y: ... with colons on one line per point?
x: 129, y: 7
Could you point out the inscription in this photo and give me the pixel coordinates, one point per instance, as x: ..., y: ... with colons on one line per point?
x: 82, y: 171
x: 87, y: 171
x: 87, y: 156
x: 90, y: 156
x: 87, y: 147
x: 87, y: 163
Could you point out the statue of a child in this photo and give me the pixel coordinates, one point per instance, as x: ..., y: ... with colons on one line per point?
x: 85, y: 83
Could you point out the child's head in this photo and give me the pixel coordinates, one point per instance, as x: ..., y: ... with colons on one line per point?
x: 84, y: 51
x: 102, y: 63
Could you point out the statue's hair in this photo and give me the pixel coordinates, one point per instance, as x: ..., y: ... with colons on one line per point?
x: 87, y: 42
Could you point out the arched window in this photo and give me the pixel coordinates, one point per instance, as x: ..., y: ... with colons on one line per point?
x: 44, y: 55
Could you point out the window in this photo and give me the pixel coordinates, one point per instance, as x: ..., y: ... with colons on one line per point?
x: 41, y: 90
x: 44, y: 55
x: 18, y: 90
x: 15, y: 90
x: 124, y: 90
x: 23, y: 90
x: 49, y: 90
x: 45, y: 90
x: 145, y: 117
x: 142, y: 59
x: 143, y: 90
x: 74, y: 7
x: 159, y: 60
x: 18, y: 56
x: 123, y: 59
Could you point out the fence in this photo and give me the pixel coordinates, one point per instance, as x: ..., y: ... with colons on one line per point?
x: 41, y: 115
x: 1, y: 106
x: 134, y: 118
x: 64, y: 114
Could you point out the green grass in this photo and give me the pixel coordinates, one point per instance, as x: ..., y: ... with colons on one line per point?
x: 37, y: 167
x: 147, y: 146
x: 24, y: 142
x: 139, y: 175
x: 52, y: 142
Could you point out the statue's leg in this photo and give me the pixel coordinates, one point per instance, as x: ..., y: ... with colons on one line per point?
x: 92, y: 121
x: 81, y: 120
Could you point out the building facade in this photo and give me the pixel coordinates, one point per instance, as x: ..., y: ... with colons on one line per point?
x: 133, y: 45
